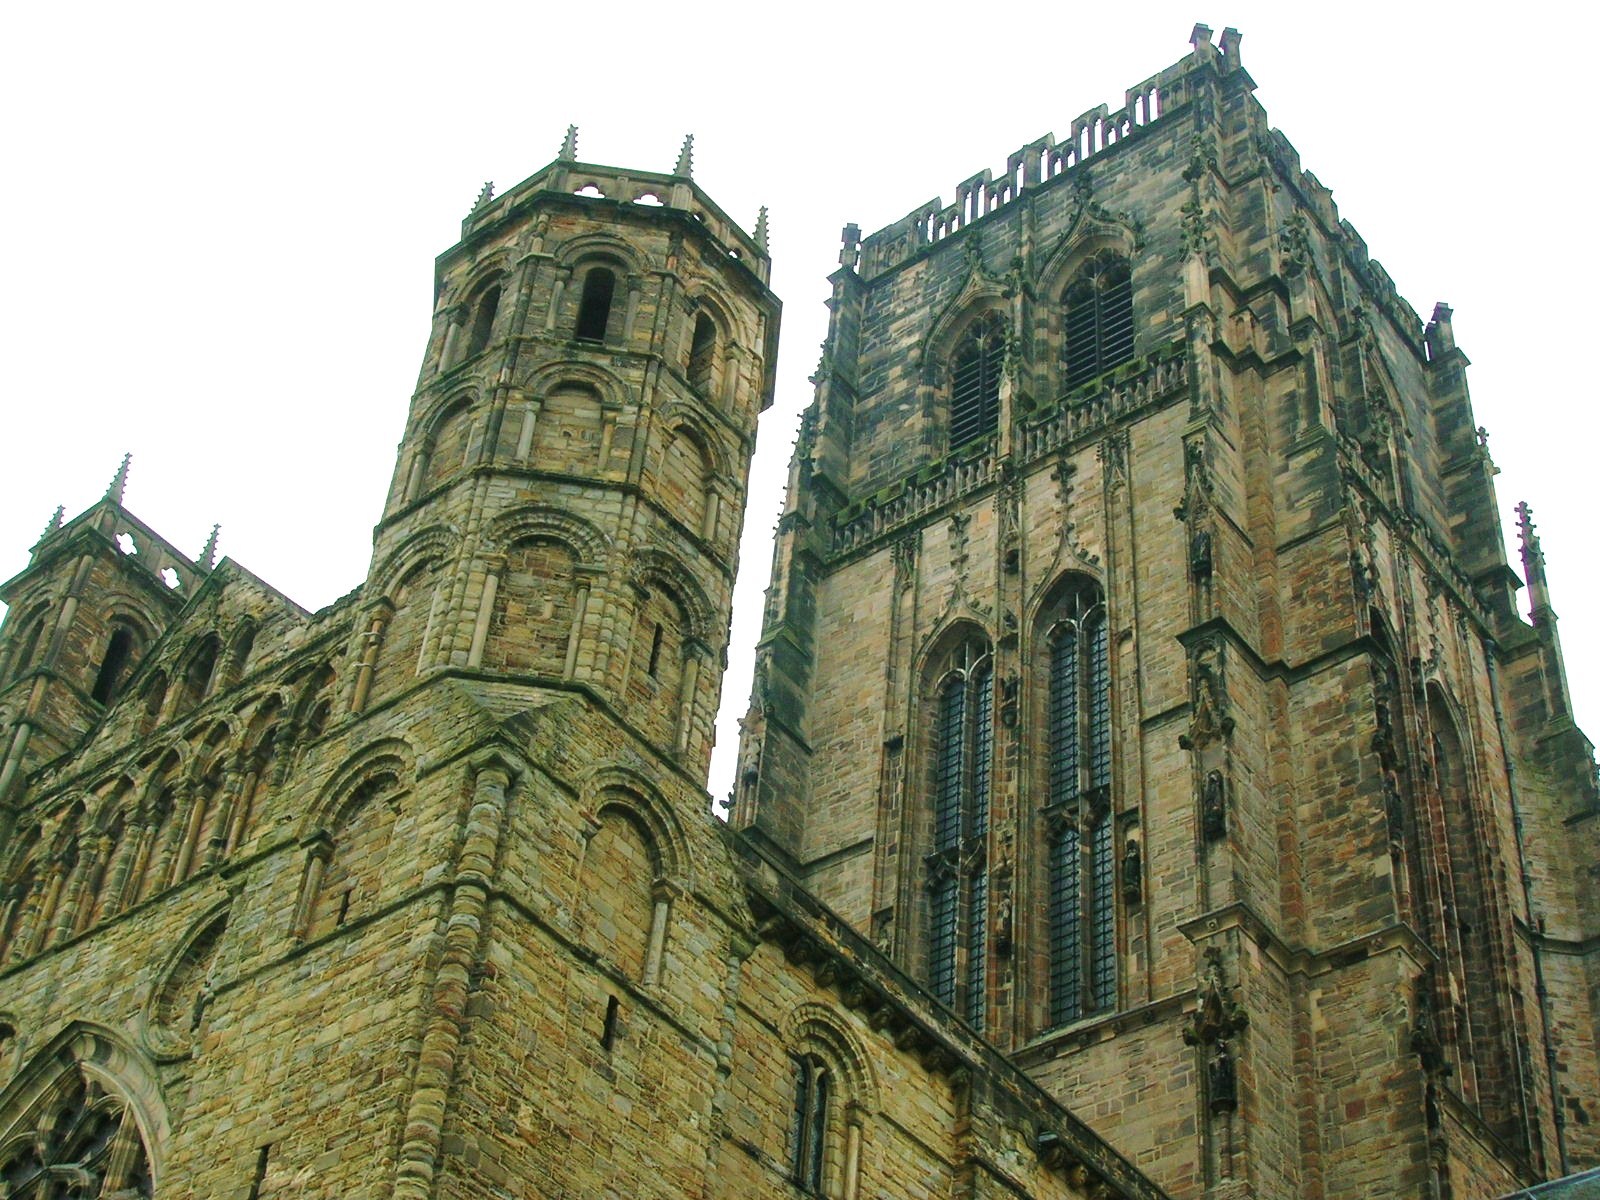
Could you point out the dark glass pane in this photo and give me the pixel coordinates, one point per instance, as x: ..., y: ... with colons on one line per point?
x: 977, y: 947
x: 942, y: 939
x: 1098, y: 687
x: 1064, y: 715
x: 1066, y: 944
x: 1102, y: 919
x: 949, y: 760
x: 975, y: 380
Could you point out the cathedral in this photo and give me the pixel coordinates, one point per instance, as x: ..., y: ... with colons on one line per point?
x: 1156, y: 782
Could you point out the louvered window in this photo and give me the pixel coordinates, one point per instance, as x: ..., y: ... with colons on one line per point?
x: 957, y: 870
x: 1083, y: 889
x: 1099, y: 318
x: 975, y: 379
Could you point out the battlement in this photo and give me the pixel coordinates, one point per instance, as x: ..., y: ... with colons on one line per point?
x: 1043, y: 160
x: 620, y: 186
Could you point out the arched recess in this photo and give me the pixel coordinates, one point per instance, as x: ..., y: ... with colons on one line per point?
x: 1481, y: 1029
x: 86, y: 1110
x: 347, y: 835
x: 833, y: 1092
x: 19, y: 894
x: 627, y: 879
x: 665, y: 678
x: 160, y: 819
x: 197, y: 672
x: 259, y: 763
x: 413, y: 600
x: 444, y: 446
x: 116, y: 819
x: 27, y: 644
x: 536, y: 609
x: 949, y: 894
x: 569, y: 428
x: 175, y: 1011
x: 1073, y: 943
x: 683, y: 486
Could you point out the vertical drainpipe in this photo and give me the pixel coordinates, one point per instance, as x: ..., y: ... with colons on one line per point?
x: 1490, y: 647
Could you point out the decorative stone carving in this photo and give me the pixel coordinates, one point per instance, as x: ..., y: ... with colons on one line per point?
x: 1214, y: 806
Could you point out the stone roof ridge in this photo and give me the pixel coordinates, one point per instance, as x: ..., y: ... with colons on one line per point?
x: 812, y: 935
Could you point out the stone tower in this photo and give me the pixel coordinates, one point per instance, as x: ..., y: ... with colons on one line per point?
x: 1142, y: 671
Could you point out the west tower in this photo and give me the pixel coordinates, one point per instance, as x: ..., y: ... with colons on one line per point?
x: 1142, y: 670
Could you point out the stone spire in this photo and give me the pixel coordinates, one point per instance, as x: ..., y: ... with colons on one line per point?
x: 761, y: 230
x: 485, y: 194
x: 569, y: 145
x: 685, y: 165
x: 208, y: 555
x: 55, y: 521
x: 119, y: 481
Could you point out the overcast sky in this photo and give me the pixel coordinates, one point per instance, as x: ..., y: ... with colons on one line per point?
x: 220, y: 220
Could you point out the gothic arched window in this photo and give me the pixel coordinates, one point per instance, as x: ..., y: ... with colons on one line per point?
x: 1082, y: 858
x: 1099, y: 318
x: 975, y: 379
x: 79, y: 1141
x: 120, y: 651
x: 956, y: 869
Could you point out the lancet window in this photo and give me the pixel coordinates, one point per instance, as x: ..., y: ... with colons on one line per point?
x: 594, y: 307
x: 1082, y: 904
x: 1098, y: 320
x: 975, y: 379
x: 956, y: 868
x: 808, y: 1129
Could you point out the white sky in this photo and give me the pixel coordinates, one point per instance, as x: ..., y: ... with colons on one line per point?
x: 219, y: 220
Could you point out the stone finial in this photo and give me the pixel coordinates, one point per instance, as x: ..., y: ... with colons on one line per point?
x: 1229, y: 41
x: 685, y: 166
x: 1440, y: 334
x: 850, y: 247
x: 119, y: 481
x: 208, y: 555
x: 569, y: 145
x: 761, y: 230
x: 54, y: 523
x: 485, y: 194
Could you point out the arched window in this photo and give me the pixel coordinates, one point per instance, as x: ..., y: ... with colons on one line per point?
x: 483, y: 320
x: 702, y: 353
x: 1099, y: 318
x: 660, y: 651
x: 1082, y: 903
x: 808, y: 1129
x: 956, y: 869
x: 594, y: 309
x: 114, y: 665
x: 975, y: 379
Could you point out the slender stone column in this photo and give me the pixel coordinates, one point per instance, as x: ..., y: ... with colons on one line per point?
x: 319, y: 852
x: 371, y: 643
x: 463, y: 941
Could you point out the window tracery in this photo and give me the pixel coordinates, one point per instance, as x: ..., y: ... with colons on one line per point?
x: 1082, y: 901
x: 81, y: 1142
x: 956, y: 867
